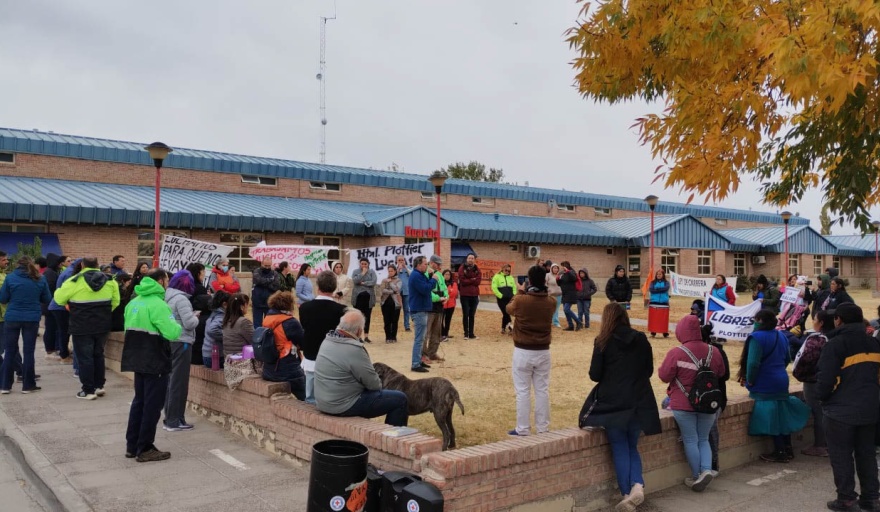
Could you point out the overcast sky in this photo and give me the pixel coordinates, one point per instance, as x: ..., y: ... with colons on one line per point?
x: 418, y: 84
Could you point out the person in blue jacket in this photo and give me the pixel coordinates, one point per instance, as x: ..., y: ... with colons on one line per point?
x: 62, y: 316
x: 24, y: 292
x: 658, y: 305
x: 421, y: 282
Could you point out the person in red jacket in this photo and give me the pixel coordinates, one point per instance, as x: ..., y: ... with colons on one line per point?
x: 449, y: 305
x: 469, y: 279
x: 694, y: 426
x: 223, y: 278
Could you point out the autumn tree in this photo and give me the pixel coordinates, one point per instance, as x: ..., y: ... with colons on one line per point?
x: 474, y: 171
x: 783, y: 92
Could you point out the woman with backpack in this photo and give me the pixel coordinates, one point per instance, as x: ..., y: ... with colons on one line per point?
x: 806, y: 369
x: 570, y: 284
x: 689, y: 370
x: 658, y: 305
x: 762, y: 371
x: 289, y: 337
x: 504, y: 288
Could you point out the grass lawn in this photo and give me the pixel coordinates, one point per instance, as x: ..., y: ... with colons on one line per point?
x: 481, y: 369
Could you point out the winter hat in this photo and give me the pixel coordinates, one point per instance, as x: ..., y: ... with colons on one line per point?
x: 183, y: 281
x: 762, y: 279
x: 688, y: 329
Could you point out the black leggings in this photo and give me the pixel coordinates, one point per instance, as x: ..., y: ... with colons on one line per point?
x: 447, y: 320
x: 391, y: 319
x: 468, y: 312
x: 362, y: 304
x: 505, y: 318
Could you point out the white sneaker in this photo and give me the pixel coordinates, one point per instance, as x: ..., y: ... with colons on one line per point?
x: 625, y: 505
x: 637, y: 494
x: 99, y: 391
x: 689, y: 482
x: 86, y: 396
x: 4, y: 391
x: 702, y: 481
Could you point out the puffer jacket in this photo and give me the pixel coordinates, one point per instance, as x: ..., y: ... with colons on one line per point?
x: 567, y: 280
x: 659, y: 292
x: 225, y: 281
x: 92, y: 296
x: 182, y: 309
x: 149, y: 326
x: 266, y: 282
x: 619, y: 289
x: 588, y: 287
x: 847, y: 379
x: 214, y: 333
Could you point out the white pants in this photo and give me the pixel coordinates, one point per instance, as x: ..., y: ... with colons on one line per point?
x: 531, y: 368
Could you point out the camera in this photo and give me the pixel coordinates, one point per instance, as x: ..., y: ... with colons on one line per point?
x: 809, y: 283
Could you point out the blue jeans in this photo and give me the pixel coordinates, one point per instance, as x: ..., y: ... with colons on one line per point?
x: 258, y: 314
x: 372, y: 404
x: 287, y: 369
x: 50, y: 333
x: 625, y: 454
x: 556, y: 312
x: 310, y: 387
x: 420, y: 322
x: 694, y: 428
x: 570, y: 316
x: 28, y: 333
x: 62, y: 332
x: 584, y: 311
x: 406, y: 313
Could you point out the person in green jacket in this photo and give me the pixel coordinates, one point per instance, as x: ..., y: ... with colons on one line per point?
x: 439, y: 295
x: 149, y: 327
x: 91, y: 296
x: 504, y: 288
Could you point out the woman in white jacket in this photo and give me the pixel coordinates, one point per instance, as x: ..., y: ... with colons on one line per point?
x: 180, y: 289
x: 343, y: 284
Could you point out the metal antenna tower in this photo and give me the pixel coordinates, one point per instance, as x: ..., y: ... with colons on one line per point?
x: 322, y: 78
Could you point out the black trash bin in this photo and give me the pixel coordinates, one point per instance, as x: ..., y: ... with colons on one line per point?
x: 406, y: 492
x: 338, y: 476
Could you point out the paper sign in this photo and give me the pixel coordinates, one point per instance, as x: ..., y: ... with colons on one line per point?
x: 696, y: 287
x: 296, y: 255
x: 178, y: 252
x: 731, y: 322
x: 790, y: 294
x: 488, y: 269
x: 384, y: 255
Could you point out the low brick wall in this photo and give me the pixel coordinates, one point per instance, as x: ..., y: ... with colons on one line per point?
x: 564, y: 470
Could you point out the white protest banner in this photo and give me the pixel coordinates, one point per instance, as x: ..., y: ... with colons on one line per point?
x: 694, y: 286
x: 791, y: 294
x: 382, y: 256
x: 296, y: 255
x: 731, y: 322
x: 178, y: 252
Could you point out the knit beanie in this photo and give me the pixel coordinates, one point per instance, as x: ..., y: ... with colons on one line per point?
x: 688, y: 329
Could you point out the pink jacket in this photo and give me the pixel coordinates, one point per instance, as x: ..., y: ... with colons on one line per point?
x: 679, y: 365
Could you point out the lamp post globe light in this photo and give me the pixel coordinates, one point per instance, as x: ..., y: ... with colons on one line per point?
x: 158, y: 152
x: 438, y: 178
x: 876, y: 225
x: 786, y: 216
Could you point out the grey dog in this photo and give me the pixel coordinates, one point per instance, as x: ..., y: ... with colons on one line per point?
x: 435, y: 394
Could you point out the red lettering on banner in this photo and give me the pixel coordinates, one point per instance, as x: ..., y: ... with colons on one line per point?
x: 409, y: 232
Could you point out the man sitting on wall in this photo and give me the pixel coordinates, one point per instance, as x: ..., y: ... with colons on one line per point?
x: 346, y: 384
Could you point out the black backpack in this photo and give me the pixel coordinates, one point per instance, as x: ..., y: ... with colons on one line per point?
x: 265, y: 350
x: 705, y: 395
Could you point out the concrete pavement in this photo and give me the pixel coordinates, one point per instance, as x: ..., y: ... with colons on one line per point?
x: 77, y: 448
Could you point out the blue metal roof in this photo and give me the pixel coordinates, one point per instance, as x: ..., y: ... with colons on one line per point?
x: 523, y: 229
x: 801, y: 240
x: 854, y: 245
x: 394, y: 221
x: 27, y: 141
x: 679, y: 231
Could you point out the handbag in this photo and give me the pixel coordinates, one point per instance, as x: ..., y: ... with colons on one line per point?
x: 587, y: 408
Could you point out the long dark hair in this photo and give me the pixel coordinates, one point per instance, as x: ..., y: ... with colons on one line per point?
x: 235, y: 309
x: 28, y: 265
x: 302, y: 270
x: 613, y: 316
x: 220, y: 298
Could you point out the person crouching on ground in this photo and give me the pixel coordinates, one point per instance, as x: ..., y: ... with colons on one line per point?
x: 850, y: 395
x: 679, y: 371
x: 623, y: 401
x: 346, y: 384
x: 289, y: 337
x: 533, y: 311
x: 149, y: 327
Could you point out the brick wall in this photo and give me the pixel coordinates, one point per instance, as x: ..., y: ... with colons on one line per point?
x: 563, y: 470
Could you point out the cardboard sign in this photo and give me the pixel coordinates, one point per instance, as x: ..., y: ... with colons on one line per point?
x: 384, y: 255
x: 178, y: 252
x: 296, y: 255
x: 696, y: 287
x: 790, y: 294
x: 731, y: 322
x: 488, y: 269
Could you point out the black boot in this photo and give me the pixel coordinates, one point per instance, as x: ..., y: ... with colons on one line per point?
x: 775, y: 456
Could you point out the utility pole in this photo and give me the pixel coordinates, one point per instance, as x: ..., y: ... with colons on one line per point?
x: 322, y: 78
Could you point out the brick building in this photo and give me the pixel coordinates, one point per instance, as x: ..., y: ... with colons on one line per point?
x: 87, y: 195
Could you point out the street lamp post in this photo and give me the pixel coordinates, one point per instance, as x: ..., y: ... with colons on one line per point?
x: 786, y: 216
x: 158, y: 152
x: 876, y: 225
x: 438, y: 179
x: 652, y: 204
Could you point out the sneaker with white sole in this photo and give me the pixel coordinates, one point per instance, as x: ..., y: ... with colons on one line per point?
x: 4, y: 391
x: 99, y: 391
x: 86, y: 396
x: 702, y: 481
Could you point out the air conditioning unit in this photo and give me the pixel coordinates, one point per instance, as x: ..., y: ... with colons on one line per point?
x: 533, y: 251
x: 759, y: 260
